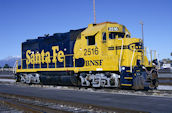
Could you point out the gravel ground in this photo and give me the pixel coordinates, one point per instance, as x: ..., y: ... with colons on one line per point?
x: 7, y: 109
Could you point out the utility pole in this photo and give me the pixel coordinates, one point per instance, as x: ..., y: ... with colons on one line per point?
x: 94, y: 11
x: 141, y: 22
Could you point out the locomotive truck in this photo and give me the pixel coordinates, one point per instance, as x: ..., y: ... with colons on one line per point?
x: 100, y: 55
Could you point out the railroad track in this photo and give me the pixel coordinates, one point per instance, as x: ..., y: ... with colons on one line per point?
x: 165, y: 81
x: 43, y: 105
x: 24, y: 98
x: 26, y: 104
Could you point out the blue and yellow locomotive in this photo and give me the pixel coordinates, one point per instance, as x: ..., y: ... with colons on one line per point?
x: 101, y: 55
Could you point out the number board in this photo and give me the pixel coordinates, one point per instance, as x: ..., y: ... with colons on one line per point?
x: 113, y: 29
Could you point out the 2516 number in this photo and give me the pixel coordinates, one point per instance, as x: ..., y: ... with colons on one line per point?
x: 91, y: 51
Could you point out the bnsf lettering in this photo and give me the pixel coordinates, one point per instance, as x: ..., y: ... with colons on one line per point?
x: 93, y: 62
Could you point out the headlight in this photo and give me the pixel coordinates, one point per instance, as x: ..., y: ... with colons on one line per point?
x: 122, y: 68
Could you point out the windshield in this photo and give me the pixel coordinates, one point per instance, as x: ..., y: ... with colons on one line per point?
x: 113, y: 35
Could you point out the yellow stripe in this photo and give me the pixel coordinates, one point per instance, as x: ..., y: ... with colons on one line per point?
x: 126, y: 84
x: 46, y: 69
x: 127, y: 70
x: 128, y: 77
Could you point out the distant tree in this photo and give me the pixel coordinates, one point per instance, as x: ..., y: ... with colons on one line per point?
x: 171, y: 53
x: 6, y: 66
x: 46, y: 35
x: 166, y: 60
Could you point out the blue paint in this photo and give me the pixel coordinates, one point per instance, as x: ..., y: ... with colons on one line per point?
x: 65, y: 41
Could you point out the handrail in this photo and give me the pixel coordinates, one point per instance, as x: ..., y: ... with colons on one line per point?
x: 14, y: 66
x: 121, y: 54
x: 158, y: 60
x: 132, y: 60
x: 148, y: 55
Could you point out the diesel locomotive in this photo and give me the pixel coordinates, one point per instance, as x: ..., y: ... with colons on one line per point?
x: 101, y: 55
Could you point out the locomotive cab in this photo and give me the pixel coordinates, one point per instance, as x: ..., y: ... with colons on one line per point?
x: 108, y: 47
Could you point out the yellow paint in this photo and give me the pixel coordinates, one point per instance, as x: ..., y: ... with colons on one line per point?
x: 60, y: 56
x: 47, y: 58
x: 103, y: 54
x: 127, y: 70
x: 55, y: 48
x: 28, y: 56
x: 44, y: 57
x: 38, y: 58
x: 128, y: 77
x: 126, y: 84
x: 32, y: 60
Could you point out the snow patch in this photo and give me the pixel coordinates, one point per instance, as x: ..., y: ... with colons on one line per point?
x: 164, y: 87
x: 8, y: 80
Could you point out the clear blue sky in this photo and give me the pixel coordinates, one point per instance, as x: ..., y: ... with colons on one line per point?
x: 25, y: 19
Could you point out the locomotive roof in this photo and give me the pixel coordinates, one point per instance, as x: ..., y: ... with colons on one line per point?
x: 94, y: 28
x: 72, y: 35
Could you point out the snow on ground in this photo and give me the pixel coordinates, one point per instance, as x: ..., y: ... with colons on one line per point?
x: 8, y: 80
x: 164, y: 87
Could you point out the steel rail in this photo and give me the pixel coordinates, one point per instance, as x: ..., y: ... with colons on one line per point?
x: 27, y: 107
x: 12, y: 100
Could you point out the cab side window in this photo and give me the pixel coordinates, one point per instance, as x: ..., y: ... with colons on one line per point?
x: 104, y: 36
x: 112, y: 35
x: 121, y: 35
x: 90, y: 40
x: 128, y: 36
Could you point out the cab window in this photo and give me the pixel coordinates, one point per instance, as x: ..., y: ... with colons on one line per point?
x: 128, y: 36
x: 104, y: 36
x: 112, y: 35
x: 90, y: 40
x: 121, y: 35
